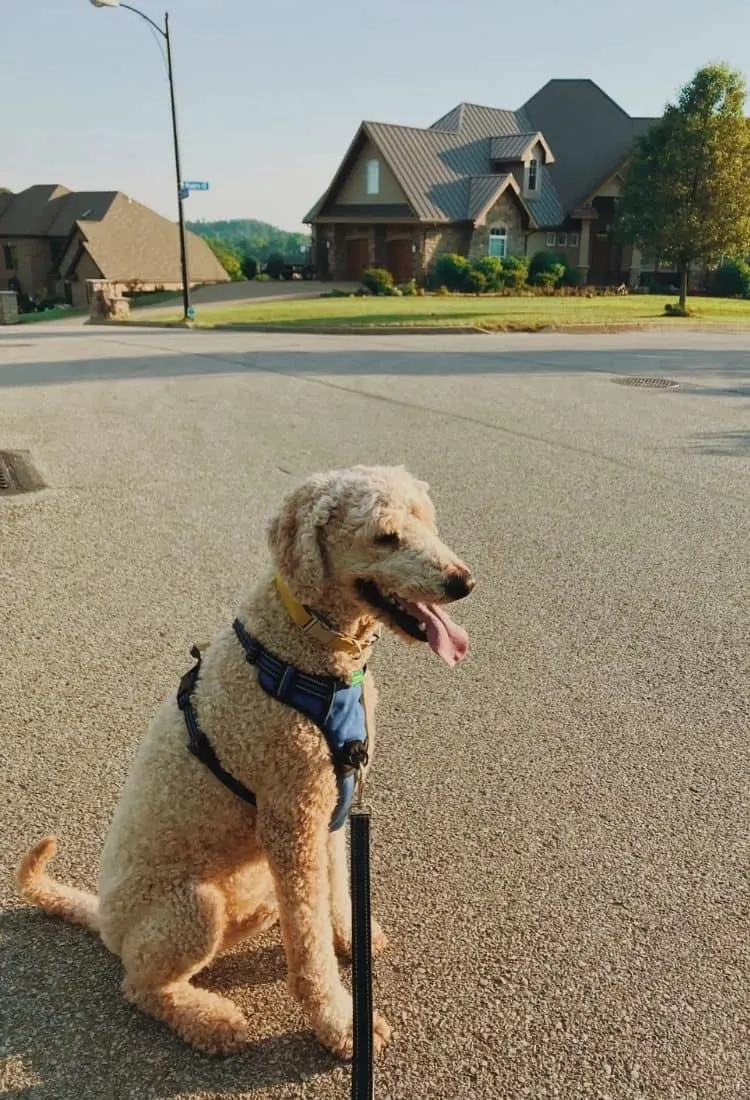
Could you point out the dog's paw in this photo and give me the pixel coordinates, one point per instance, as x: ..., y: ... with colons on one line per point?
x: 378, y: 940
x: 340, y: 1040
x: 223, y: 1036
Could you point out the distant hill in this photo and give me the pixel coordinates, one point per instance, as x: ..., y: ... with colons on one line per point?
x: 248, y: 237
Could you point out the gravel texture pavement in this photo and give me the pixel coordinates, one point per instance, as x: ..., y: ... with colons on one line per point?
x: 560, y: 825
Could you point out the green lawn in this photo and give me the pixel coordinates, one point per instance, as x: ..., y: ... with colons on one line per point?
x: 485, y: 312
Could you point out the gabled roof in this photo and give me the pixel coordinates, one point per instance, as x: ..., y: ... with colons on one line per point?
x: 515, y: 147
x: 484, y: 191
x: 49, y: 210
x: 588, y: 133
x: 434, y: 166
x: 132, y: 242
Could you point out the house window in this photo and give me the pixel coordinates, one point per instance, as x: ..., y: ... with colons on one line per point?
x: 9, y: 255
x: 562, y: 240
x: 373, y: 177
x: 551, y: 240
x: 573, y: 239
x: 533, y: 179
x: 498, y: 244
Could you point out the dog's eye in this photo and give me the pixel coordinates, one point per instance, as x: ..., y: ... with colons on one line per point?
x: 388, y: 538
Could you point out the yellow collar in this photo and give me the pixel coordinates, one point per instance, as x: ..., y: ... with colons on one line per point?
x: 313, y: 626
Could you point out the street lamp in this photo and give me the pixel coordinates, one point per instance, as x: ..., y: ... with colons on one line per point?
x: 165, y: 34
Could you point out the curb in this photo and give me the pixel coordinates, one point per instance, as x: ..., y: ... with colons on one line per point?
x: 594, y: 328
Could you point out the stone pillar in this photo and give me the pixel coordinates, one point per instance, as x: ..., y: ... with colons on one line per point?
x: 584, y: 245
x: 635, y: 267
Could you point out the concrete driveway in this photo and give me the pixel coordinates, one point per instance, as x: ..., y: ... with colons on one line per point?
x: 234, y: 294
x: 560, y: 826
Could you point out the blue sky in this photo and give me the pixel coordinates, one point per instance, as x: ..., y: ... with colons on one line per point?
x: 270, y: 95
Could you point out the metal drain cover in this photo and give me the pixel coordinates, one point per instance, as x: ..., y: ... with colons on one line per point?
x: 18, y: 474
x: 647, y: 383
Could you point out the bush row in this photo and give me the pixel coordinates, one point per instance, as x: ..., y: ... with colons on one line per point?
x: 546, y: 271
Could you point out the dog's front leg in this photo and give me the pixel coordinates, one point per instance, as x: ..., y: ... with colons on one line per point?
x: 297, y: 852
x: 341, y: 906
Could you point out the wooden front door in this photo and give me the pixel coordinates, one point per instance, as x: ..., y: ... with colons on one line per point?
x: 357, y: 257
x: 401, y: 260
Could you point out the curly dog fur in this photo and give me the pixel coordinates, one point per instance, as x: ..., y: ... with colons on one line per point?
x: 187, y: 868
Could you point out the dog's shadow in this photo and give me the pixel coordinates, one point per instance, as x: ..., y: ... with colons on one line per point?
x: 66, y: 1032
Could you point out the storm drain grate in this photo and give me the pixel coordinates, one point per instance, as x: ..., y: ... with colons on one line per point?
x: 648, y: 383
x: 18, y: 474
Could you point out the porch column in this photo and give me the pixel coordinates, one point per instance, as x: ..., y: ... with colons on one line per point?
x: 635, y: 267
x: 584, y: 246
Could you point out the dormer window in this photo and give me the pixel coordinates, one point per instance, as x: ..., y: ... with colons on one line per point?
x: 532, y: 178
x: 373, y: 177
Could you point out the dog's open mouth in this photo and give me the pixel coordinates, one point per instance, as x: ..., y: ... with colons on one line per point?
x: 424, y: 621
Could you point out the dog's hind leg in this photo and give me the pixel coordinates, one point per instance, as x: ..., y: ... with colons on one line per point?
x: 171, y: 942
x: 298, y: 857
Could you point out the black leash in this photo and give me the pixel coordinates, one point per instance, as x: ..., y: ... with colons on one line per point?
x: 362, y: 1059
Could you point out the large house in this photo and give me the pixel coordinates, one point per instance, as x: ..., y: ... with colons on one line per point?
x: 482, y: 181
x: 53, y: 240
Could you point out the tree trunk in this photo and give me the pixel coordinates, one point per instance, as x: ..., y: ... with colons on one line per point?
x: 683, y: 286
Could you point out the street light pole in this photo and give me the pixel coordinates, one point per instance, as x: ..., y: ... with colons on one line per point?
x: 165, y: 33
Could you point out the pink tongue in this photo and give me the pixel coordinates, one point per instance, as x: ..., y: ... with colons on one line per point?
x: 444, y: 637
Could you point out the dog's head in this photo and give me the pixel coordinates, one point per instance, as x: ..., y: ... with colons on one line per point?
x: 364, y: 542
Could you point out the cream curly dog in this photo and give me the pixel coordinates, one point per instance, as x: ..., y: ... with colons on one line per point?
x: 188, y: 866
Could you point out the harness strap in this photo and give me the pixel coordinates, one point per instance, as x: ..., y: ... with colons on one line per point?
x: 198, y: 743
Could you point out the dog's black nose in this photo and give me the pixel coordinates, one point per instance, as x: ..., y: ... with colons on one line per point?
x: 458, y: 585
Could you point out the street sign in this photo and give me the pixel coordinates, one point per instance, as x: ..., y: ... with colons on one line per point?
x: 195, y: 185
x: 184, y: 193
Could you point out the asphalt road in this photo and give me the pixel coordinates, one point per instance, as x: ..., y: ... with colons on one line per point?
x: 560, y: 826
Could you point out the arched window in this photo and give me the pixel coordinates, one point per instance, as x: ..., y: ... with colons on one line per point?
x: 499, y: 242
x: 533, y: 177
x: 373, y: 177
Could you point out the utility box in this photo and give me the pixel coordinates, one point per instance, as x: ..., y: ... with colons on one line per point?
x: 8, y: 307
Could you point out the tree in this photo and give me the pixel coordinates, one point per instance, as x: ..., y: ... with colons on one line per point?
x: 248, y: 237
x: 686, y: 194
x: 227, y: 257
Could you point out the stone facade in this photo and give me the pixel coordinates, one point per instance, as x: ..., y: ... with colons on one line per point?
x: 436, y: 242
x: 504, y: 214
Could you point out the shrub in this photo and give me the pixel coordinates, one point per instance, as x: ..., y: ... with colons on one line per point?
x: 475, y: 282
x: 491, y: 268
x: 409, y: 289
x: 450, y: 271
x: 515, y: 272
x: 442, y: 291
x: 674, y: 309
x: 377, y: 280
x: 544, y: 264
x: 731, y: 280
x: 262, y: 277
x: 550, y: 279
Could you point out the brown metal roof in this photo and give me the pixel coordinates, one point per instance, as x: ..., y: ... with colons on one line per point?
x: 588, y: 133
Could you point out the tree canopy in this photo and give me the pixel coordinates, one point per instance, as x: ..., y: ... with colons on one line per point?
x: 686, y: 194
x: 247, y: 237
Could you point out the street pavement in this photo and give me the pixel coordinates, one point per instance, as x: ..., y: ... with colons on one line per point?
x: 560, y: 825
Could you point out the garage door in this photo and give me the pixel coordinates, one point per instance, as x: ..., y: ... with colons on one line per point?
x: 357, y: 257
x: 400, y: 260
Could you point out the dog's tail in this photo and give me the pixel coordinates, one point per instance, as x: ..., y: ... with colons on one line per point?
x: 55, y: 897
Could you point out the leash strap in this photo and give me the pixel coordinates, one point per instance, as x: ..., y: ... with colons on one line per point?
x: 362, y: 1060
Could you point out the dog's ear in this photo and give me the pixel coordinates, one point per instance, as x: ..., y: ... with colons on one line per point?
x: 295, y: 538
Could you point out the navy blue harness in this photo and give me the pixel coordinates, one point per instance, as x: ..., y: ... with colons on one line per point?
x: 336, y: 708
